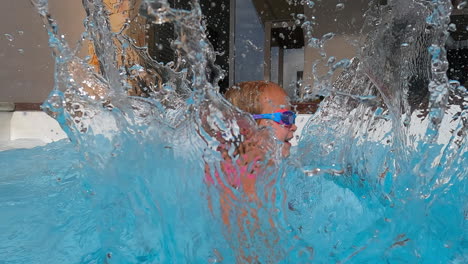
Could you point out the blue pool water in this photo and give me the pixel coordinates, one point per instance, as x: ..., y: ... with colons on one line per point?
x: 379, y: 175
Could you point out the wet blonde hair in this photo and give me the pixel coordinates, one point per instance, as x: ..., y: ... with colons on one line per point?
x: 246, y: 95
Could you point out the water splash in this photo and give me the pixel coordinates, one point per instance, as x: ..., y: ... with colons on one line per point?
x: 374, y: 178
x: 9, y: 37
x: 389, y: 149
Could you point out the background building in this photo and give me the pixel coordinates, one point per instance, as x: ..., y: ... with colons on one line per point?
x: 256, y: 39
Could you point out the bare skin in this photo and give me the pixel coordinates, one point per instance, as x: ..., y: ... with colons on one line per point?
x: 274, y: 98
x: 242, y: 221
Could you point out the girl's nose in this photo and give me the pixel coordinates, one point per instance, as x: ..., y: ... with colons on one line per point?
x: 293, y: 128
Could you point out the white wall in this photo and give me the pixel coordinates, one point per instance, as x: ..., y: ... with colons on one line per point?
x: 5, y: 118
x: 22, y: 129
x: 28, y: 129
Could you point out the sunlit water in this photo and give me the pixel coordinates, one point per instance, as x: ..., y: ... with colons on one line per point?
x: 379, y: 175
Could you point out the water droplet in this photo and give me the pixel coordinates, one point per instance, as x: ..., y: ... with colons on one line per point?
x: 404, y: 44
x: 20, y: 32
x: 281, y: 35
x: 313, y: 172
x: 344, y: 63
x: 213, y: 4
x: 21, y: 51
x: 314, y: 43
x: 452, y: 27
x: 462, y: 89
x: 300, y: 16
x: 284, y: 24
x: 461, y: 5
x: 328, y: 36
x: 9, y: 37
x: 339, y: 7
x: 137, y: 67
x: 310, y: 4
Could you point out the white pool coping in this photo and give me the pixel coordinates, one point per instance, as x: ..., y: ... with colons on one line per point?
x: 29, y: 129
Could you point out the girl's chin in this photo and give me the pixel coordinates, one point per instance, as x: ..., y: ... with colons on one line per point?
x: 286, y: 148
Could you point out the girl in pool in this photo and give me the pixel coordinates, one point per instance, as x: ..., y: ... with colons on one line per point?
x: 269, y: 105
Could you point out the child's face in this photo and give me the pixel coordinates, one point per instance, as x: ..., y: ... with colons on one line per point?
x: 272, y: 99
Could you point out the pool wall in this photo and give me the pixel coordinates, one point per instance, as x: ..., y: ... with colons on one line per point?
x: 28, y: 129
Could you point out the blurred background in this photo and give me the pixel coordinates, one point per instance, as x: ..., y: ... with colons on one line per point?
x: 254, y: 39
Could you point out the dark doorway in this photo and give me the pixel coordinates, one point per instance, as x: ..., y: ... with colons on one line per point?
x: 216, y: 18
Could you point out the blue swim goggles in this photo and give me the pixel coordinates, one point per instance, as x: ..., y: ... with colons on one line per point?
x: 282, y: 117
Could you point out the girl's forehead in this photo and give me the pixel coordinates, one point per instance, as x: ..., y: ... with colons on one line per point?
x: 274, y: 98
